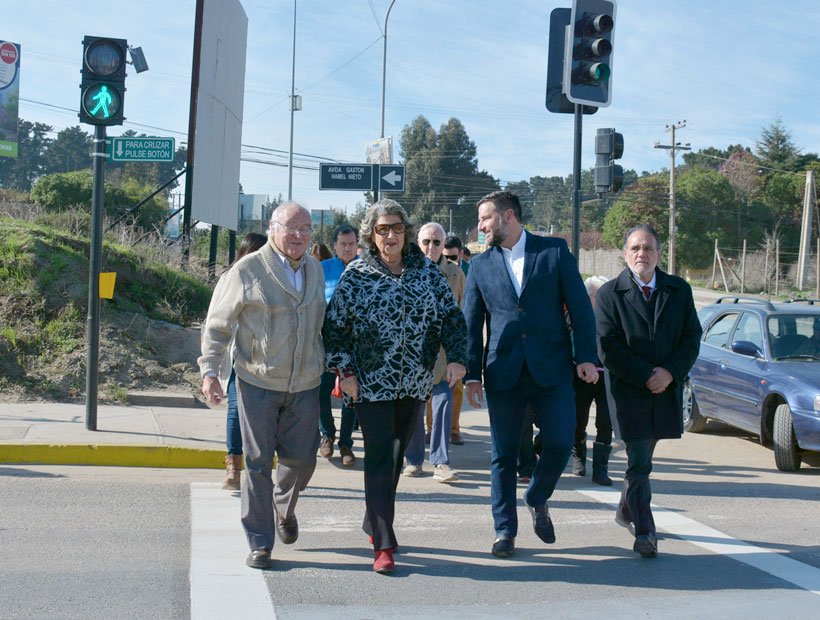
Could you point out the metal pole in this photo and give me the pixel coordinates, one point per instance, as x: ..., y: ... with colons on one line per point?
x: 94, y: 261
x: 189, y: 176
x: 671, y: 266
x: 292, y: 93
x: 212, y: 252
x: 384, y: 82
x: 743, y: 269
x: 777, y: 267
x: 576, y: 184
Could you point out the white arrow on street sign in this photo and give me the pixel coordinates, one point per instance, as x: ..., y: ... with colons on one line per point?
x: 392, y: 177
x: 119, y: 148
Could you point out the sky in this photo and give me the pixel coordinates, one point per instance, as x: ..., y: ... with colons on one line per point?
x: 726, y: 67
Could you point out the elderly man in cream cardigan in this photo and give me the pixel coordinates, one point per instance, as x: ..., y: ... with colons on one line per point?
x: 276, y: 299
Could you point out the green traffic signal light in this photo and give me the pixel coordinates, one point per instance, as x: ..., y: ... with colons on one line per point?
x: 101, y: 101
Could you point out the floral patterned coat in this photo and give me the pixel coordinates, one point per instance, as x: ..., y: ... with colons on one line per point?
x: 388, y: 328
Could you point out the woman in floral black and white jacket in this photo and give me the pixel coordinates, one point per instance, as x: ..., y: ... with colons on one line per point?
x: 388, y: 316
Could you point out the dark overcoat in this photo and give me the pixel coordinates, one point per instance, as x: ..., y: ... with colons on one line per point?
x: 632, y: 340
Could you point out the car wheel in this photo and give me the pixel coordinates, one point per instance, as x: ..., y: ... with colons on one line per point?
x: 693, y: 422
x: 786, y: 451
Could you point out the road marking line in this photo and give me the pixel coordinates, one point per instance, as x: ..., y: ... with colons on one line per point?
x: 221, y: 585
x: 772, y: 562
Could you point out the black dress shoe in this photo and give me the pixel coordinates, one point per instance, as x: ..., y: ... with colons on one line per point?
x: 646, y: 545
x: 259, y: 558
x: 504, y: 546
x: 542, y: 524
x: 288, y: 530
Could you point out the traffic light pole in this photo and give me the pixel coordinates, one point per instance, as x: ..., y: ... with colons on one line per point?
x: 94, y: 261
x: 576, y: 184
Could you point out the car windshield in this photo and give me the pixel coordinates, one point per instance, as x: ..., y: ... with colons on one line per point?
x: 794, y: 336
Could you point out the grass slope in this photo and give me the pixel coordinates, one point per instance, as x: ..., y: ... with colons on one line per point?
x: 43, y: 310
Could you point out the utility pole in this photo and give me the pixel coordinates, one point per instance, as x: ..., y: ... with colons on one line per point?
x: 384, y: 83
x: 673, y: 147
x: 295, y: 105
x: 805, y: 233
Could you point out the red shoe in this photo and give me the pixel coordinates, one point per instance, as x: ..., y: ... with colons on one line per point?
x: 373, y: 542
x: 384, y: 563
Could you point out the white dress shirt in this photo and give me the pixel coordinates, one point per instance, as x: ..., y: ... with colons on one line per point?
x: 514, y: 260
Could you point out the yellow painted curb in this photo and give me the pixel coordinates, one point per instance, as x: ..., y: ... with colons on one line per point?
x: 117, y: 456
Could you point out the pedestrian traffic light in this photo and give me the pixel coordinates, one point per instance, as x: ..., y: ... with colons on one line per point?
x: 103, y: 81
x: 609, y: 176
x: 588, y: 57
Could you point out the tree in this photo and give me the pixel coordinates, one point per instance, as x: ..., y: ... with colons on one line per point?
x: 711, y: 157
x: 706, y: 208
x: 776, y: 148
x: 20, y: 172
x: 71, y: 150
x: 643, y: 202
x: 443, y: 178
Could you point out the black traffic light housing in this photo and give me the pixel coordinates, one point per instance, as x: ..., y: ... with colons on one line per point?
x: 609, y: 176
x: 588, y: 55
x: 103, y: 81
x: 556, y: 98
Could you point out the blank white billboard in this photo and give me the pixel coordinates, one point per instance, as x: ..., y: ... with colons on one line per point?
x: 219, y: 103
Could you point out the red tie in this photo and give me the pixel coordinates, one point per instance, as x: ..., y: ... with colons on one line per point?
x: 646, y: 291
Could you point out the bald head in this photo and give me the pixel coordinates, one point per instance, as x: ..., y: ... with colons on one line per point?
x: 290, y: 229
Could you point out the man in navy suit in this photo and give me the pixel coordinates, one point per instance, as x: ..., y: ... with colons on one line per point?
x: 519, y: 288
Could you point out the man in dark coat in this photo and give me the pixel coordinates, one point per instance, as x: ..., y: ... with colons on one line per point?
x: 648, y: 339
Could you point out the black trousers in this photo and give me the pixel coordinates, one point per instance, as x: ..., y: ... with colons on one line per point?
x: 636, y: 494
x: 386, y: 428
x: 585, y: 393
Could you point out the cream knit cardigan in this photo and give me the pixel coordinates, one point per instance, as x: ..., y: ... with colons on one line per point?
x: 278, y: 343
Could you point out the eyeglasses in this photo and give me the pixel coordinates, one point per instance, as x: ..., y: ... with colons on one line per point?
x: 305, y: 231
x: 452, y: 257
x: 384, y: 229
x: 435, y: 242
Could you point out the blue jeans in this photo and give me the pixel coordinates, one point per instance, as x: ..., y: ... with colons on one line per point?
x: 442, y: 403
x: 326, y: 423
x: 233, y: 434
x: 554, y: 408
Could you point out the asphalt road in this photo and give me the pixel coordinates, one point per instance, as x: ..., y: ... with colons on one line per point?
x: 738, y: 540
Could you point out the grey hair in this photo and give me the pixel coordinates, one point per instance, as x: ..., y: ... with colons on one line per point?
x: 384, y: 207
x: 593, y: 283
x: 643, y: 228
x: 435, y: 225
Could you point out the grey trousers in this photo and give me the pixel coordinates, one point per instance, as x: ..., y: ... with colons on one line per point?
x: 278, y: 423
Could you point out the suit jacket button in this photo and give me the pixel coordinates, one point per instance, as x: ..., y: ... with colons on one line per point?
x: 521, y: 309
x: 523, y: 335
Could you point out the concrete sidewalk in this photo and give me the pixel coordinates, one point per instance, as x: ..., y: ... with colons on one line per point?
x: 129, y: 436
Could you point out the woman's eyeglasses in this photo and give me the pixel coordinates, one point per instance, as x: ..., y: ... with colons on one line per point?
x: 435, y: 242
x: 384, y: 229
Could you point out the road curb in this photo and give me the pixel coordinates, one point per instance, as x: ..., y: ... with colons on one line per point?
x: 116, y: 456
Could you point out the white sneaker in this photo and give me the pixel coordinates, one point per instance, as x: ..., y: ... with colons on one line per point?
x: 411, y: 471
x: 443, y: 473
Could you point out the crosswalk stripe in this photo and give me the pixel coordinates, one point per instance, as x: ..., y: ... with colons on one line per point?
x: 221, y: 585
x: 797, y: 573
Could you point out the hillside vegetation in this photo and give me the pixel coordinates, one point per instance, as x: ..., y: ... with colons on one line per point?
x: 43, y: 312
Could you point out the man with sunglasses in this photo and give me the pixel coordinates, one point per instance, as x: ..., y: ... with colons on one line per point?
x: 440, y: 406
x: 275, y: 299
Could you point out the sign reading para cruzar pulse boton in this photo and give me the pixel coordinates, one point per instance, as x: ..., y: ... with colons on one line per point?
x: 142, y: 149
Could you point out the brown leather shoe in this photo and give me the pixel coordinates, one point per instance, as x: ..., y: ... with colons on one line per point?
x: 326, y: 447
x: 233, y: 469
x: 348, y: 458
x: 259, y: 558
x: 288, y: 529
